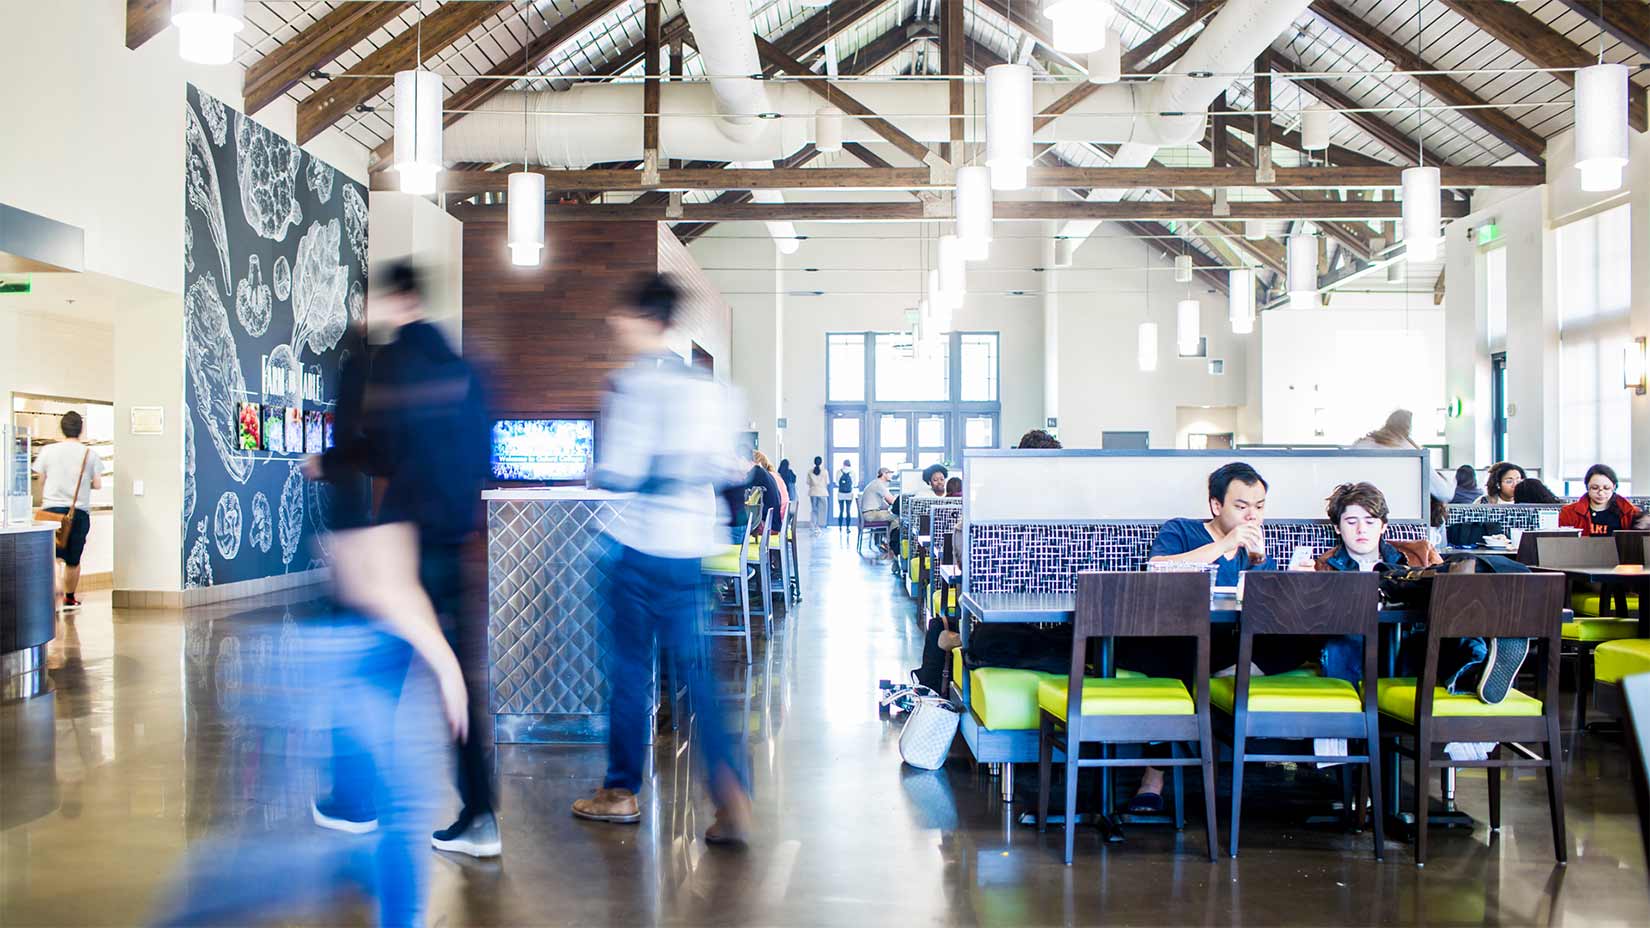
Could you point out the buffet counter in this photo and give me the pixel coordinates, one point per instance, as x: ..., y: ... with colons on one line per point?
x: 546, y: 635
x: 28, y: 610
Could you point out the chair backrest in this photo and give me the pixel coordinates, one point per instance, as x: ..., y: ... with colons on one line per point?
x: 745, y: 536
x: 1496, y: 605
x: 1635, y: 691
x: 1135, y: 604
x: 1529, y: 547
x: 753, y: 501
x: 1578, y: 552
x: 1296, y: 602
x: 1631, y: 547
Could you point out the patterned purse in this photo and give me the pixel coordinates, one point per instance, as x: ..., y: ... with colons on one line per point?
x: 925, y: 741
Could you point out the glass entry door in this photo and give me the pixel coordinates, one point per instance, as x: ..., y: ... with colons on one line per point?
x: 846, y: 432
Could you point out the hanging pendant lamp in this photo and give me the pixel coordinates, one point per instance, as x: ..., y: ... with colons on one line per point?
x: 1422, y: 213
x: 526, y: 218
x: 828, y: 129
x: 1008, y: 125
x: 974, y: 212
x: 418, y: 99
x: 1105, y: 64
x: 1182, y: 269
x: 1240, y: 300
x: 1079, y: 25
x: 1303, y: 270
x: 1601, y: 126
x: 1187, y: 327
x: 206, y: 29
x: 1315, y: 125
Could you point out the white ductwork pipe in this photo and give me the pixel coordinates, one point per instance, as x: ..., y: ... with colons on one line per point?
x: 726, y: 39
x: 783, y: 233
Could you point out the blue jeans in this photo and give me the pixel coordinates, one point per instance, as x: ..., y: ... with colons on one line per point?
x: 358, y: 675
x: 654, y: 603
x: 821, y: 511
x: 1460, y: 660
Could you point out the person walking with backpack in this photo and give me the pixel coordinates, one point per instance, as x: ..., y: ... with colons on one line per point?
x: 69, y: 472
x: 819, y: 496
x: 844, y: 497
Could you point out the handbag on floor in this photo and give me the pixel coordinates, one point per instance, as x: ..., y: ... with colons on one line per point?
x: 65, y: 520
x: 925, y: 741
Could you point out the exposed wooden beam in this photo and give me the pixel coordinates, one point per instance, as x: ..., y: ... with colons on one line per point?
x: 1438, y: 290
x: 1025, y: 17
x: 951, y: 62
x: 1324, y: 89
x: 1203, y: 266
x: 1627, y: 20
x: 1009, y: 211
x: 449, y: 23
x: 686, y: 232
x: 880, y: 175
x: 145, y: 19
x: 1540, y: 45
x: 1498, y: 123
x: 1134, y: 60
x: 1220, y: 134
x: 838, y: 98
x: 1262, y: 99
x: 323, y: 40
x: 652, y: 20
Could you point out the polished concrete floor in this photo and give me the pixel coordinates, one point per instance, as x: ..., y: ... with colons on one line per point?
x: 107, y: 780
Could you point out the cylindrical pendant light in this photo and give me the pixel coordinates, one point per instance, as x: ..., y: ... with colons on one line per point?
x: 1303, y: 270
x: 1106, y: 62
x: 974, y: 212
x: 828, y: 129
x: 1187, y: 327
x: 1182, y: 269
x: 1315, y: 123
x: 418, y: 99
x: 526, y: 218
x: 1008, y: 125
x: 1601, y: 125
x: 1146, y: 352
x: 1422, y: 212
x: 953, y: 276
x: 1079, y: 25
x: 1240, y: 300
x: 1254, y: 229
x: 206, y: 29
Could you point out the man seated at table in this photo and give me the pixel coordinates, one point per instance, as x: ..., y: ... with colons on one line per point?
x: 1358, y: 512
x: 1233, y: 541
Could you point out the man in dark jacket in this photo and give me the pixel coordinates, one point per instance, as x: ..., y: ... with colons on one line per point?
x: 425, y: 435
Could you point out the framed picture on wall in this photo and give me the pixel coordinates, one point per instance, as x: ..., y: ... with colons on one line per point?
x: 294, y: 430
x: 275, y: 429
x: 250, y: 427
x: 312, y: 432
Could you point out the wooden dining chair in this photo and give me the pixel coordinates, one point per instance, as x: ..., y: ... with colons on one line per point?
x: 1290, y: 707
x: 1428, y: 716
x: 1636, y: 705
x: 1599, y: 617
x: 1089, y: 710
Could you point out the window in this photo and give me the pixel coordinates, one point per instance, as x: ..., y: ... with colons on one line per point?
x: 980, y: 431
x: 845, y: 369
x: 845, y: 432
x: 1498, y: 406
x: 979, y: 368
x: 1593, y: 289
x: 904, y: 375
x: 1495, y: 298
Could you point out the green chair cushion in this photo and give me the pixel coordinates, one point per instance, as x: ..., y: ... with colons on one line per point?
x: 1396, y: 697
x: 727, y: 560
x: 1005, y: 698
x: 934, y: 601
x: 915, y: 570
x: 1120, y: 696
x: 1599, y: 629
x: 1588, y: 605
x: 1613, y: 660
x: 1288, y: 693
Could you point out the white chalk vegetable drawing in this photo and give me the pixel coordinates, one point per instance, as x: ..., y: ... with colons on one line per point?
x: 226, y: 525
x: 188, y: 244
x: 215, y: 371
x: 319, y: 286
x: 252, y: 302
x: 290, y: 526
x: 201, y: 185
x: 318, y: 506
x: 287, y: 389
x: 319, y: 178
x: 217, y: 118
x: 355, y: 222
x: 357, y: 304
x: 188, y: 469
x: 262, y: 532
x: 197, y: 570
x: 267, y: 166
x: 283, y: 278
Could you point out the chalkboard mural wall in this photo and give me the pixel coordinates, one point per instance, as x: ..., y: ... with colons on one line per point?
x: 275, y: 265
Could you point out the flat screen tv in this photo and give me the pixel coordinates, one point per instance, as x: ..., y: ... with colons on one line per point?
x: 542, y: 450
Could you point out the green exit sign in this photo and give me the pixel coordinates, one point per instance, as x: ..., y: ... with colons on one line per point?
x: 1488, y: 233
x: 16, y: 284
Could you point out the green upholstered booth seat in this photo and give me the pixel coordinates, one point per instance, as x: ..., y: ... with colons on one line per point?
x: 1599, y: 629
x: 934, y: 602
x: 1396, y: 697
x: 1005, y: 698
x: 1588, y: 605
x: 1288, y: 693
x: 915, y: 570
x: 1613, y: 660
x: 1119, y: 696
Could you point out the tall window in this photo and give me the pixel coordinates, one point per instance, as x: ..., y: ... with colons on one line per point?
x: 888, y: 404
x: 1495, y: 298
x: 905, y: 375
x: 845, y: 368
x: 1594, y: 274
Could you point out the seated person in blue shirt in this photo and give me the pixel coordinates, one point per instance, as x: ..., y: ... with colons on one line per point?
x: 1233, y: 541
x: 1358, y: 511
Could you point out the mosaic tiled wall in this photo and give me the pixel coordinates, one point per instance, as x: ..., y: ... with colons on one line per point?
x: 1047, y: 557
x: 1518, y: 515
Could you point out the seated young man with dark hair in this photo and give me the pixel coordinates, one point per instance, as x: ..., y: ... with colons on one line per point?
x: 1358, y: 511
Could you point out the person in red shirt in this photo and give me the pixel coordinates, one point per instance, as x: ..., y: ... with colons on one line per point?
x: 1601, y: 511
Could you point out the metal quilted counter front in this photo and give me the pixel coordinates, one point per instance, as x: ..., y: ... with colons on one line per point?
x: 546, y: 635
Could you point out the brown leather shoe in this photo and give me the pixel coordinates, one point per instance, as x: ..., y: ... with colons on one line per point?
x: 610, y: 805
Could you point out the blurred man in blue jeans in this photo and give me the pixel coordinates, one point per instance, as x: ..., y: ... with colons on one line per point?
x: 668, y: 437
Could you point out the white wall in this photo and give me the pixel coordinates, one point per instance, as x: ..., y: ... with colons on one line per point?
x: 1355, y: 365
x: 404, y: 226
x: 56, y: 355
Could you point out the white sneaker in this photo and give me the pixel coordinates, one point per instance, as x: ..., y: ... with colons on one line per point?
x: 479, y: 838
x: 345, y: 825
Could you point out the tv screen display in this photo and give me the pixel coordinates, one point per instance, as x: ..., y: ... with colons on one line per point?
x: 542, y: 449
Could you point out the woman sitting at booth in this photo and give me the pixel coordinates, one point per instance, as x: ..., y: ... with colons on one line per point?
x: 1533, y: 492
x: 1358, y: 512
x: 1503, y: 481
x: 1602, y: 511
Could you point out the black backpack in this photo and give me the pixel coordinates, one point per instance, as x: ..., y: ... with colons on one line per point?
x: 845, y: 483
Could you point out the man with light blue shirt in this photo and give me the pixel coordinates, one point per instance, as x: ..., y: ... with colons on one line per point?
x: 668, y: 437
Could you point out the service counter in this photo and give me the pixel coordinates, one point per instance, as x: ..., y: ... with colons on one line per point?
x: 28, y: 615
x: 546, y: 634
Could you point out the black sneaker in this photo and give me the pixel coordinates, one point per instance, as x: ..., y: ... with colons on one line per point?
x: 70, y: 601
x: 1501, y: 668
x: 475, y: 835
x: 328, y: 815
